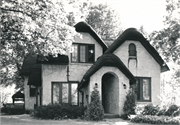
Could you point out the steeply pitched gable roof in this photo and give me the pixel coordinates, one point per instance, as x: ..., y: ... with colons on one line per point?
x: 133, y: 34
x: 84, y: 27
x: 108, y: 59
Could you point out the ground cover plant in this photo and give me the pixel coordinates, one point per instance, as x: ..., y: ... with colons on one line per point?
x: 157, y: 115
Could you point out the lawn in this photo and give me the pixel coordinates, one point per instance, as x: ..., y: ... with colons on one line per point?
x: 27, y: 120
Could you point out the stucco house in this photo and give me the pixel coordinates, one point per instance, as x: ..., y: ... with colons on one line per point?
x: 129, y: 62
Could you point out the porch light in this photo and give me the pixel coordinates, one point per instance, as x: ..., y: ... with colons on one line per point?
x: 124, y: 85
x: 96, y: 85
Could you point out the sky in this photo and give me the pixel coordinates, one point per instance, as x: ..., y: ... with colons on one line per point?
x: 134, y: 13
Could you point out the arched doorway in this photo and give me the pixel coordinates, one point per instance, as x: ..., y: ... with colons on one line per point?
x: 110, y: 93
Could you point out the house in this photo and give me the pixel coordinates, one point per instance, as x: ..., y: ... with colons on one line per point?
x: 129, y: 62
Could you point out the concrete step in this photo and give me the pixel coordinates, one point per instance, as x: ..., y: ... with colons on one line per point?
x: 108, y: 115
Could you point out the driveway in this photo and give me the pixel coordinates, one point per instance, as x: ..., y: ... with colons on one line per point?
x: 28, y: 120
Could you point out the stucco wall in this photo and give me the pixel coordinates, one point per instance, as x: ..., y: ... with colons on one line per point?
x: 58, y: 73
x: 97, y: 78
x: 29, y: 101
x: 146, y: 66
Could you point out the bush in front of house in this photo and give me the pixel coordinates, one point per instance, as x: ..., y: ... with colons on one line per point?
x: 173, y: 110
x: 129, y: 105
x: 155, y: 119
x: 150, y: 110
x: 58, y: 111
x: 95, y: 111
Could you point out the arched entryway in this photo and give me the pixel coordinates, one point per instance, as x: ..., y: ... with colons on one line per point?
x: 110, y: 93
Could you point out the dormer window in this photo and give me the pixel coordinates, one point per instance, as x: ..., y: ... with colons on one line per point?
x: 83, y: 53
x: 132, y: 51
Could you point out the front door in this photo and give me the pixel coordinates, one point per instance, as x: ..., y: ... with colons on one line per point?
x: 110, y: 93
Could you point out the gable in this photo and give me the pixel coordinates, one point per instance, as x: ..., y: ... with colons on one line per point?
x: 133, y: 34
x: 86, y: 28
x: 107, y: 60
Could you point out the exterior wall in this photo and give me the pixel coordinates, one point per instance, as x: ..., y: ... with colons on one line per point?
x: 29, y: 101
x: 97, y: 78
x: 146, y: 66
x: 58, y: 73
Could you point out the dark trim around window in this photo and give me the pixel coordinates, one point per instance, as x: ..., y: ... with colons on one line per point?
x: 60, y: 84
x: 139, y: 89
x: 87, y: 54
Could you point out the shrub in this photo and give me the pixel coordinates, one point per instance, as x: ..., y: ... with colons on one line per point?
x: 95, y: 111
x: 155, y: 119
x: 173, y: 110
x: 13, y: 110
x: 129, y: 105
x: 150, y: 110
x: 58, y: 111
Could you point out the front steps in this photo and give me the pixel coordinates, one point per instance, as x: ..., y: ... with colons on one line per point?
x: 108, y: 115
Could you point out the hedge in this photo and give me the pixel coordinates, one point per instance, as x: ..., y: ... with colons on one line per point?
x: 58, y: 111
x: 155, y: 119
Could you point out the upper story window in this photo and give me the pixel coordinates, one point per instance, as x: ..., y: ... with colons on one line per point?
x: 83, y: 53
x: 132, y: 50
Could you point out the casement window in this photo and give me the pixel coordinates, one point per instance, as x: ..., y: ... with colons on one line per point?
x: 143, y: 89
x: 132, y: 50
x: 64, y: 93
x: 32, y: 91
x: 83, y: 53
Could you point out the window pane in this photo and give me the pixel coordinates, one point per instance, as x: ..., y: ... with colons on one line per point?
x: 146, y: 93
x: 90, y: 53
x: 65, y: 89
x: 75, y: 53
x: 138, y: 88
x: 82, y: 53
x: 132, y: 50
x: 55, y: 93
x: 74, y: 94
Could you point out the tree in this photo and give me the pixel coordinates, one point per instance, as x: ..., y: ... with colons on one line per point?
x: 95, y: 111
x: 104, y: 20
x: 167, y: 41
x: 31, y: 27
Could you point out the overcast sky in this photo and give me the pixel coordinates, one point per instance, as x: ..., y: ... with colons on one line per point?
x: 134, y: 13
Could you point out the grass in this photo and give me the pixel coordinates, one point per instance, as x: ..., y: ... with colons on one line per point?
x: 28, y: 120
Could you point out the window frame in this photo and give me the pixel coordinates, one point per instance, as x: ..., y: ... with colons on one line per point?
x: 141, y: 89
x: 135, y: 51
x: 86, y: 53
x: 32, y: 91
x: 69, y: 91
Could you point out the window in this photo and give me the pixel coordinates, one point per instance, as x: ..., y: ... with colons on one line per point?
x: 32, y: 90
x: 132, y: 50
x: 143, y: 89
x: 64, y: 93
x: 83, y: 53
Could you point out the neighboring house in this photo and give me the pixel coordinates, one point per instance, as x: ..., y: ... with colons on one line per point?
x: 129, y: 62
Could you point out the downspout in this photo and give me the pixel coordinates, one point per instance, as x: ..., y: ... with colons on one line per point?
x: 67, y: 73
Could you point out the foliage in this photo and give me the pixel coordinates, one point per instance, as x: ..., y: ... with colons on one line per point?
x: 129, y: 104
x: 13, y: 110
x: 95, y: 111
x: 155, y: 119
x: 150, y: 110
x: 58, y: 111
x: 104, y: 20
x: 167, y: 40
x: 31, y: 27
x: 173, y: 110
